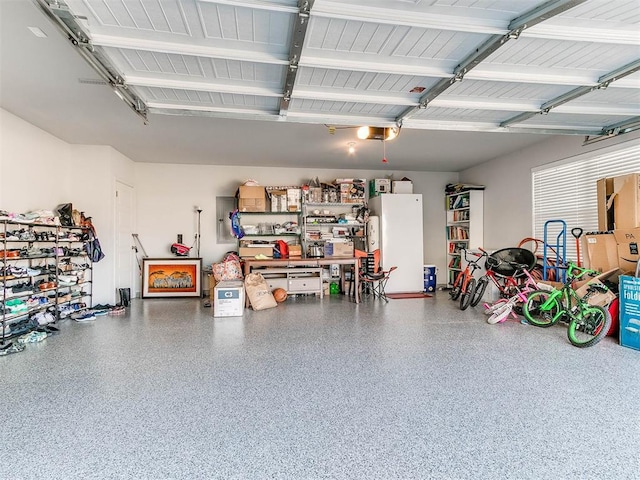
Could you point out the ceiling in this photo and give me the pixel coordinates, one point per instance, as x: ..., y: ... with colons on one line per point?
x: 259, y: 82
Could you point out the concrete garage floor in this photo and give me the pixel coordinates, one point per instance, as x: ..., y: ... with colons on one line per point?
x: 414, y: 389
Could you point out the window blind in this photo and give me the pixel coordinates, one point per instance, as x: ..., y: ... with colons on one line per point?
x: 566, y: 190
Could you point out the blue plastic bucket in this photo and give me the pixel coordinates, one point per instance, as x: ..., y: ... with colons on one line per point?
x: 429, y: 278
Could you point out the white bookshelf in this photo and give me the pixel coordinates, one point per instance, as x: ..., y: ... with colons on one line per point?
x: 465, y: 220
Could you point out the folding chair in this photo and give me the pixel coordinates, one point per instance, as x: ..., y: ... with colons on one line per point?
x: 375, y: 282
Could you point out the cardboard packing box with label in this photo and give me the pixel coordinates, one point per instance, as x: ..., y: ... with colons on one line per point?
x: 628, y: 255
x: 600, y: 251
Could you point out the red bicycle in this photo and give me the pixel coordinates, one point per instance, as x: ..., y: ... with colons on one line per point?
x: 464, y: 286
x: 505, y: 269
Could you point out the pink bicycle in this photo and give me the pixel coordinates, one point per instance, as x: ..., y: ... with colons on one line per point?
x: 502, y: 308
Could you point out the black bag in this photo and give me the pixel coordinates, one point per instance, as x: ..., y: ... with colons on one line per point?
x: 93, y: 249
x: 65, y: 212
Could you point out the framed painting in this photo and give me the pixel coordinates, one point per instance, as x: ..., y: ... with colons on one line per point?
x: 171, y: 277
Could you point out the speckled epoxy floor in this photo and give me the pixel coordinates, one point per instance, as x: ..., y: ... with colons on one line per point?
x: 318, y: 389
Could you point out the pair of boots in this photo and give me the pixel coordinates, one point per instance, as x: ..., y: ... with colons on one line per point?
x: 125, y: 296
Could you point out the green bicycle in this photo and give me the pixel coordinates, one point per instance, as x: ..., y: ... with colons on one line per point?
x: 588, y: 324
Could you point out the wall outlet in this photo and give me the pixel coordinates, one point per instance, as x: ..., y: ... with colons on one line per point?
x: 179, y: 238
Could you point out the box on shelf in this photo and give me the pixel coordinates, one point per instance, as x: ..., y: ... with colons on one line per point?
x: 294, y: 203
x: 252, y: 251
x: 619, y: 202
x: 338, y: 249
x: 228, y: 299
x: 252, y: 199
x: 295, y: 250
x: 630, y: 312
x: 628, y: 255
x: 351, y: 190
x: 402, y: 186
x: 279, y: 201
x: 600, y: 251
x: 379, y: 186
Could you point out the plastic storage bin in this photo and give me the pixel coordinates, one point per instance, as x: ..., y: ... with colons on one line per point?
x: 429, y: 278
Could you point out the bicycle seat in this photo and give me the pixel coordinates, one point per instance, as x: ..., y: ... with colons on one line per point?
x: 503, y: 262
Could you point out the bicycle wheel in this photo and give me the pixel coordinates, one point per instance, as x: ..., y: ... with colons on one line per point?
x: 457, y: 287
x: 467, y: 295
x: 533, y: 313
x: 497, y: 305
x: 590, y: 327
x: 481, y: 286
x: 501, y: 314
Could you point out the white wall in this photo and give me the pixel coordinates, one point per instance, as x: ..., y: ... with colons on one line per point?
x: 40, y: 171
x: 508, y: 197
x: 167, y: 194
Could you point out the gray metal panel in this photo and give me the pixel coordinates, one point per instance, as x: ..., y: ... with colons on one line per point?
x: 168, y: 65
x: 347, y: 108
x: 461, y: 115
x: 564, y: 120
x: 175, y: 97
x: 506, y: 90
x: 361, y: 81
x: 598, y: 58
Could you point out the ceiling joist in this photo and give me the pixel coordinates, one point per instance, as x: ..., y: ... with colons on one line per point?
x: 516, y: 26
x: 295, y: 52
x: 602, y: 83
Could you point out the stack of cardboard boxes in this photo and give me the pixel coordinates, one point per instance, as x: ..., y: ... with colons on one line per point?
x: 616, y: 244
x: 615, y: 248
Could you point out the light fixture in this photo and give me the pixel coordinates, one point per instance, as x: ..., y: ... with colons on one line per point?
x: 352, y: 147
x: 378, y: 133
x: 37, y: 32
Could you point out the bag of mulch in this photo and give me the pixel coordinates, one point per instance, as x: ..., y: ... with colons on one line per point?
x: 258, y: 291
x: 228, y: 269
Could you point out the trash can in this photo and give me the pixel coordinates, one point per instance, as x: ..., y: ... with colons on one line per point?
x: 429, y: 278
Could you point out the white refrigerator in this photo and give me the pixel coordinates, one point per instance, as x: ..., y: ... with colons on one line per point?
x: 400, y: 239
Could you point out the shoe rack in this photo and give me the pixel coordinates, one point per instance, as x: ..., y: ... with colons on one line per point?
x: 45, y: 276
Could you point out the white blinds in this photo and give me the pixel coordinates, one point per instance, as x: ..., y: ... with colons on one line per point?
x: 566, y: 190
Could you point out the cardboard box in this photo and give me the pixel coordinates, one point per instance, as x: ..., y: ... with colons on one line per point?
x: 619, y: 202
x: 379, y: 186
x: 294, y: 202
x: 338, y: 249
x: 253, y: 251
x: 630, y: 312
x: 229, y: 299
x: 295, y: 250
x: 402, y: 186
x: 628, y: 255
x: 278, y: 201
x: 600, y: 299
x: 599, y: 251
x: 252, y: 199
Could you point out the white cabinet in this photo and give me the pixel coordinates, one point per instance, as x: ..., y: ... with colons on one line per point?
x: 294, y: 280
x: 465, y: 220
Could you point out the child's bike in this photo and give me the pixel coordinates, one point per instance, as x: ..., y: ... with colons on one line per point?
x: 502, y: 308
x: 464, y: 286
x: 588, y: 324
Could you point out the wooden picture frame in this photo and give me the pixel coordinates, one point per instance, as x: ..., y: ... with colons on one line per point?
x: 171, y: 277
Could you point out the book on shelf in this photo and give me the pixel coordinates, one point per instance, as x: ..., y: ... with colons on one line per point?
x: 457, y: 233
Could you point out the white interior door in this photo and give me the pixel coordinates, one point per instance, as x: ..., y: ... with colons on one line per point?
x: 124, y: 228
